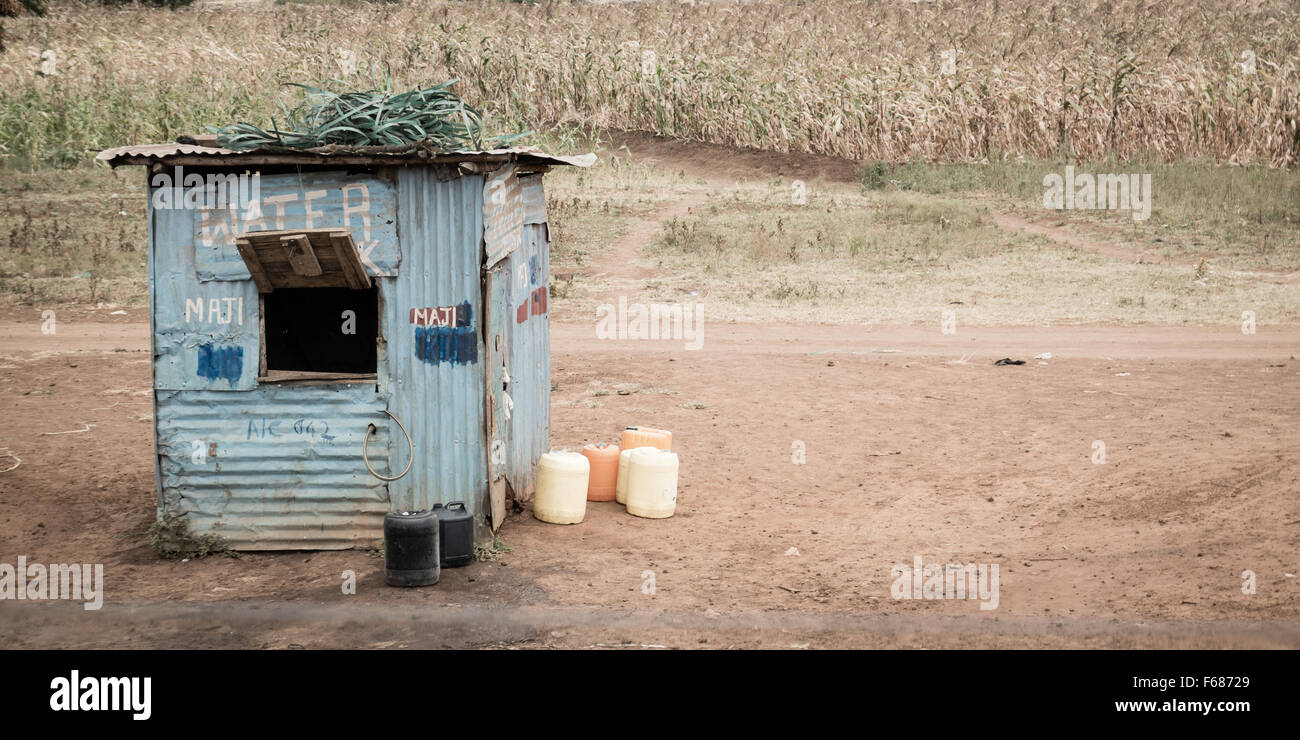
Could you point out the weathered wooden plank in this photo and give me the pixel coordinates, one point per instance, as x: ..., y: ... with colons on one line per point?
x: 261, y: 333
x: 306, y: 376
x: 503, y: 215
x: 350, y: 260
x: 319, y: 258
x: 494, y: 310
x: 254, y: 264
x: 301, y: 256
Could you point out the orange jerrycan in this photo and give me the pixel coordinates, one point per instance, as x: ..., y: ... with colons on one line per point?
x: 604, y: 471
x: 634, y: 437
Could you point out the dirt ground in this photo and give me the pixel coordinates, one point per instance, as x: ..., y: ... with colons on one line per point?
x: 914, y: 444
x: 909, y: 452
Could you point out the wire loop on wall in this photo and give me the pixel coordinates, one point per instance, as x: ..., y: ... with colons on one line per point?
x: 371, y: 429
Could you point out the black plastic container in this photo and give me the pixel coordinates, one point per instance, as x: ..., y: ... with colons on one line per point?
x: 411, y: 552
x: 457, y: 532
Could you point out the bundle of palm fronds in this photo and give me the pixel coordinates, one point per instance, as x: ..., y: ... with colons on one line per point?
x: 371, y: 118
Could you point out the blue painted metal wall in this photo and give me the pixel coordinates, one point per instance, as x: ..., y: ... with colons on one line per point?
x: 205, y: 334
x: 365, y: 204
x: 528, y: 343
x: 271, y: 466
x: 434, y: 378
x: 265, y: 466
x: 278, y: 467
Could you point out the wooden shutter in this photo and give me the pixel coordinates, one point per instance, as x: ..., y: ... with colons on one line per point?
x: 302, y: 258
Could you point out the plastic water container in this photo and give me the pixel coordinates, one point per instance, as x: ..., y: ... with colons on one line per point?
x: 620, y: 488
x: 634, y: 437
x: 561, y: 496
x: 411, y: 556
x: 604, y: 471
x: 652, y: 483
x: 456, y: 531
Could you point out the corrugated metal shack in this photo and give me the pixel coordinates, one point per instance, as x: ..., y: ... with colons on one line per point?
x: 353, y: 284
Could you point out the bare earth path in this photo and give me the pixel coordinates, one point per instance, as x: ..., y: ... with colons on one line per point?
x: 618, y: 267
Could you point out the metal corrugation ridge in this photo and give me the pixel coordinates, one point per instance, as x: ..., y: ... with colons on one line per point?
x: 529, y: 360
x: 438, y: 392
x: 158, y: 151
x: 274, y: 468
x: 415, y: 154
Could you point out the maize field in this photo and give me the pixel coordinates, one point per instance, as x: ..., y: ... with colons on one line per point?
x: 892, y: 80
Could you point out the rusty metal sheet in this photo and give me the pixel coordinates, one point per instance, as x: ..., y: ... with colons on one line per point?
x: 276, y: 466
x: 378, y: 156
x: 503, y: 215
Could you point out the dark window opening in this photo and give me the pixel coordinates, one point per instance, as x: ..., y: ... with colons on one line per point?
x: 320, y: 332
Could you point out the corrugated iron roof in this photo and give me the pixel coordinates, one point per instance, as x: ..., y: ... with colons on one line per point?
x: 194, y: 154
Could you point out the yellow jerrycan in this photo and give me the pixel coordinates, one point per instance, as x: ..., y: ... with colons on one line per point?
x: 652, y: 483
x: 561, y: 496
x: 620, y: 483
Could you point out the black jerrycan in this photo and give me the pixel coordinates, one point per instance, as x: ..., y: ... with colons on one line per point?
x: 457, y: 525
x: 411, y: 552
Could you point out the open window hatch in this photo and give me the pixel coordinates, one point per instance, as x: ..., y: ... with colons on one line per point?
x: 319, y: 308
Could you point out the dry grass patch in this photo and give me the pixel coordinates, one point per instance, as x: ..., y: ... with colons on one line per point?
x: 949, y: 80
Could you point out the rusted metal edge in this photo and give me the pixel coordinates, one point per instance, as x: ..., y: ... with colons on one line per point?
x: 196, y: 156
